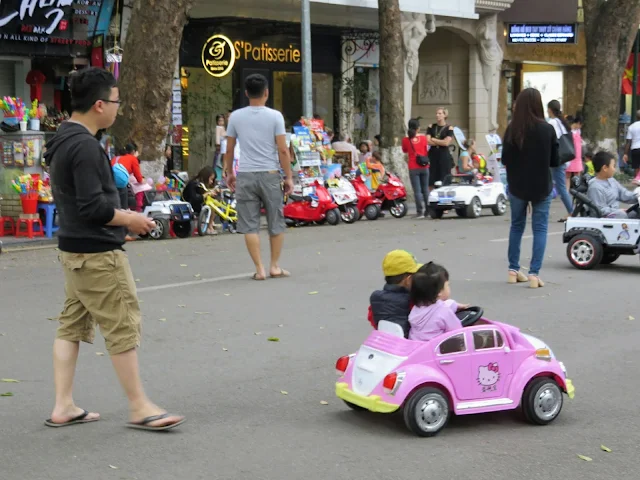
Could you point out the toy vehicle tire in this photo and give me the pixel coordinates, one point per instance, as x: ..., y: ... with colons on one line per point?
x: 461, y: 212
x: 354, y: 407
x: 182, y: 229
x: 162, y: 229
x: 474, y: 208
x: 435, y: 213
x: 534, y: 390
x: 333, y: 217
x: 500, y: 207
x: 372, y: 212
x: 350, y: 214
x: 438, y: 404
x: 399, y: 209
x: 609, y: 257
x: 589, y: 241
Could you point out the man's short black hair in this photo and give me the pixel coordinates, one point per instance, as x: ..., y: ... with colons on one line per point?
x: 131, y: 148
x: 601, y: 159
x: 396, y: 279
x: 255, y: 85
x: 89, y: 85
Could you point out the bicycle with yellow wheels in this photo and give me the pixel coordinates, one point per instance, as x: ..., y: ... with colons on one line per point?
x: 221, y: 203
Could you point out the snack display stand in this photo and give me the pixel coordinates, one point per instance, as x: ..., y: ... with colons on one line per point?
x: 23, y: 151
x: 312, y: 149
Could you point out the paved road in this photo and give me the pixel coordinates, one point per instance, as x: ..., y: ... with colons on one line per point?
x: 205, y: 354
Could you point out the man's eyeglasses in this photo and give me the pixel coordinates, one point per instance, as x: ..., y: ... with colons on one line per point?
x: 111, y: 101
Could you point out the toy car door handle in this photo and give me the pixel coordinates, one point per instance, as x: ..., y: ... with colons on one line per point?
x: 446, y: 362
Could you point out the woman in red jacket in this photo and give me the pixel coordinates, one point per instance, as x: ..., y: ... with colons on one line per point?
x: 415, y: 146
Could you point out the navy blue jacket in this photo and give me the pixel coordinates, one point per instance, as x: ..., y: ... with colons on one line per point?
x: 393, y: 304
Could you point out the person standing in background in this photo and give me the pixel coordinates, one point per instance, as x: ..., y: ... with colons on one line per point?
x: 557, y: 120
x: 632, y: 145
x: 439, y: 137
x: 261, y: 132
x: 415, y: 145
x: 221, y: 144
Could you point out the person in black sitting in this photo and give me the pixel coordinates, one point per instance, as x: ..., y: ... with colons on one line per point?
x: 392, y: 303
x: 195, y: 194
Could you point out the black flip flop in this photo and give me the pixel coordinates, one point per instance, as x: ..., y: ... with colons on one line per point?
x: 144, y: 424
x: 257, y: 278
x: 82, y: 418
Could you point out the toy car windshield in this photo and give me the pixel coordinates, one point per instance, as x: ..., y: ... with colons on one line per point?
x: 464, y: 179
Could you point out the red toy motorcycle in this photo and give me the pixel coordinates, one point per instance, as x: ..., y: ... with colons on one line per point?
x: 393, y: 196
x: 368, y: 205
x: 318, y: 208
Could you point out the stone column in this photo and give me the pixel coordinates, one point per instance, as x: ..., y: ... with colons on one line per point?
x: 490, y: 54
x: 415, y: 27
x: 479, y: 116
x: 346, y: 102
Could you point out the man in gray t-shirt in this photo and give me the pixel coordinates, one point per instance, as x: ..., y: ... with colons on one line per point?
x: 262, y: 136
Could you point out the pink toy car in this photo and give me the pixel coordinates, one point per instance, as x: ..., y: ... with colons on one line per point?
x: 486, y: 367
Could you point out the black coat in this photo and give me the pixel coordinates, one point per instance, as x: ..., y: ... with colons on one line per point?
x: 393, y: 305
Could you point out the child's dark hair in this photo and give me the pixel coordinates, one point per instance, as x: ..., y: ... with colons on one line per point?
x: 396, y: 279
x: 366, y: 145
x: 601, y: 159
x: 427, y: 284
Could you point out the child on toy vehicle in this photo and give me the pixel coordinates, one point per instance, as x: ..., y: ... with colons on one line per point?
x: 605, y: 192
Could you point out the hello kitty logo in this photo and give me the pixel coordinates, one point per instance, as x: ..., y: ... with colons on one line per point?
x: 488, y: 376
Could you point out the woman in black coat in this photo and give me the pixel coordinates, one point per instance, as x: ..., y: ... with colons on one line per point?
x: 530, y: 150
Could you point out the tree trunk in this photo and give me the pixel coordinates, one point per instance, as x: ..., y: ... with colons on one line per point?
x: 392, y: 89
x: 610, y: 29
x: 148, y: 68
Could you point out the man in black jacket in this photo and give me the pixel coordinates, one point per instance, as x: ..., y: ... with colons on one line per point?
x: 99, y: 285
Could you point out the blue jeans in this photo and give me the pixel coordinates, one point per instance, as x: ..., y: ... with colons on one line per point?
x: 420, y: 183
x: 560, y: 179
x: 539, y: 224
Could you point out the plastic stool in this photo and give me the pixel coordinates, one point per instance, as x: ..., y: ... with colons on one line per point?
x: 7, y: 227
x: 29, y: 230
x: 49, y: 214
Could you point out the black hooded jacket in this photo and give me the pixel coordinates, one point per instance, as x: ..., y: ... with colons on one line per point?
x: 84, y: 191
x: 393, y: 304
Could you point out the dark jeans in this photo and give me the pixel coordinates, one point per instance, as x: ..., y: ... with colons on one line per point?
x: 420, y: 183
x: 539, y: 224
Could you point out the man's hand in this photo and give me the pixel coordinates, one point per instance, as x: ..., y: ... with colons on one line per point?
x: 288, y: 186
x: 139, y: 224
x: 231, y: 181
x: 625, y: 158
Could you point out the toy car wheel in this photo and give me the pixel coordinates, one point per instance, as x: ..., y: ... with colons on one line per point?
x: 501, y: 206
x: 474, y: 209
x: 333, y: 217
x: 203, y: 220
x: 542, y: 400
x: 427, y: 412
x: 585, y: 251
x: 161, y: 231
x: 350, y: 214
x: 608, y: 258
x: 461, y: 212
x: 399, y: 209
x: 372, y: 212
x: 355, y: 407
x: 435, y: 213
x: 182, y: 229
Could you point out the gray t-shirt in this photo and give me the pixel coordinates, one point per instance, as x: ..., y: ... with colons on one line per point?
x: 256, y: 128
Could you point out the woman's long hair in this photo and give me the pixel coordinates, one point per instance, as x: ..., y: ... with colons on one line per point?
x: 204, y: 175
x: 414, y: 125
x: 527, y: 114
x: 554, y: 106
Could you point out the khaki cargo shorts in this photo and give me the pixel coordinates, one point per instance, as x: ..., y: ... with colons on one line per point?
x: 100, y: 290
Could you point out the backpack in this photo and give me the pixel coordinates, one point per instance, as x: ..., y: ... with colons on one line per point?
x: 120, y: 174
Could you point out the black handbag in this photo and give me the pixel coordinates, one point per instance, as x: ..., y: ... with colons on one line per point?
x: 421, y: 160
x: 566, y: 148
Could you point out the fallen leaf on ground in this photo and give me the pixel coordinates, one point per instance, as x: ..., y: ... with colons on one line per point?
x: 321, y: 328
x: 342, y: 308
x: 273, y: 339
x: 162, y: 319
x: 313, y: 293
x: 53, y: 319
x: 227, y: 294
x: 6, y: 394
x: 284, y: 392
x: 225, y: 349
x: 585, y: 458
x: 631, y: 318
x: 113, y: 466
x: 202, y: 313
x: 183, y: 264
x: 281, y: 325
x: 137, y: 279
x: 2, y: 334
x: 182, y: 306
x: 257, y: 333
x: 324, y: 402
x: 100, y: 354
x: 9, y: 380
x: 605, y: 449
x: 197, y: 275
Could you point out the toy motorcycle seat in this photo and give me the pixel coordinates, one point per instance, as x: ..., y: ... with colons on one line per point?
x: 300, y: 198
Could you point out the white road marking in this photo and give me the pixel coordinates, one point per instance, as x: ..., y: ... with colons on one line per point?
x: 155, y: 288
x: 523, y: 237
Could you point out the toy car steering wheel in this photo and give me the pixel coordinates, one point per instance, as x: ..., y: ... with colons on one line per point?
x: 470, y: 316
x: 633, y: 208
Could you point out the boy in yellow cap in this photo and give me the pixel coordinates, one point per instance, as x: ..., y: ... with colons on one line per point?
x: 392, y: 303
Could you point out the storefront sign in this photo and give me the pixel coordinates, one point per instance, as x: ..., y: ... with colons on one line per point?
x: 52, y: 22
x: 534, y: 33
x: 219, y: 54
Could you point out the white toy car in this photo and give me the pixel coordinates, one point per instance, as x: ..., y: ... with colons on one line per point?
x: 592, y: 240
x: 164, y: 211
x: 467, y: 195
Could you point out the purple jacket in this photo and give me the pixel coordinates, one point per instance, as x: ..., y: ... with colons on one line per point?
x: 433, y: 320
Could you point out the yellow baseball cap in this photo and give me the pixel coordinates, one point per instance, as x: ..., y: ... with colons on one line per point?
x: 398, y: 262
